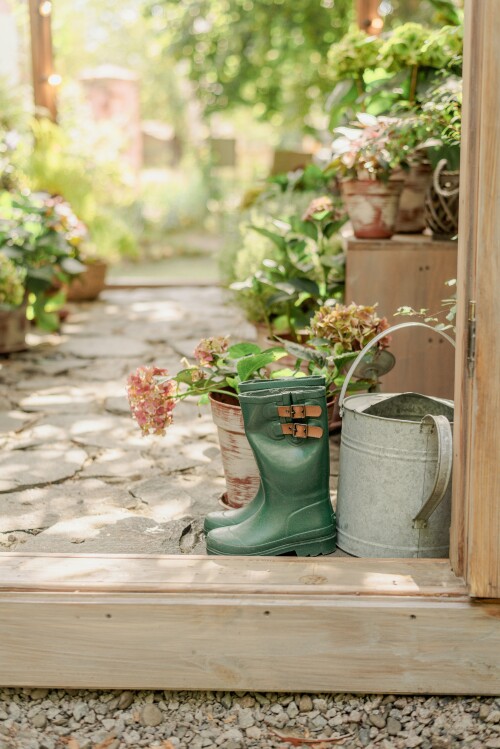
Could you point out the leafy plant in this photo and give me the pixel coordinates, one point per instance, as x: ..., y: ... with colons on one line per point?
x: 371, y: 148
x: 11, y: 283
x: 42, y: 236
x: 337, y: 334
x: 448, y: 309
x: 381, y: 77
x: 306, y: 269
x: 219, y: 368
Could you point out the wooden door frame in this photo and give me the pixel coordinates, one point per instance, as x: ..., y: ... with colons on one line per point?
x: 327, y: 625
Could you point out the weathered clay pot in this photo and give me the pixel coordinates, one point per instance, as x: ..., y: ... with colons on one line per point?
x: 411, y: 213
x: 13, y: 328
x: 88, y: 285
x: 240, y: 469
x: 372, y: 206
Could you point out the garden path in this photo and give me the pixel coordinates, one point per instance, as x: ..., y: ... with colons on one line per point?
x: 76, y: 475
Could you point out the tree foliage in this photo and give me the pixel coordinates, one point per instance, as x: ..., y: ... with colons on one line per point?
x: 267, y: 54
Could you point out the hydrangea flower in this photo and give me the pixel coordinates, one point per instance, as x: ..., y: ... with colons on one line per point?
x: 209, y: 349
x: 353, y: 325
x: 151, y: 401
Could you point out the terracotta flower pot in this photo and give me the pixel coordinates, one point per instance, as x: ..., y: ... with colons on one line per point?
x: 411, y: 213
x: 88, y: 285
x: 240, y: 469
x: 372, y: 206
x: 13, y: 328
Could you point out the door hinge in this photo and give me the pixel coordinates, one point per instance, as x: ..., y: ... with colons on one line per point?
x: 471, y: 338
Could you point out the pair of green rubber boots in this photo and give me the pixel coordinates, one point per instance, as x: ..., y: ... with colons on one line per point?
x: 286, y: 424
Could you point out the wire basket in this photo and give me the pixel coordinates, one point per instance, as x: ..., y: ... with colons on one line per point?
x: 441, y: 203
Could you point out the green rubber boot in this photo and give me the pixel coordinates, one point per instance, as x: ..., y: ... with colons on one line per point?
x: 224, y: 518
x: 288, y: 433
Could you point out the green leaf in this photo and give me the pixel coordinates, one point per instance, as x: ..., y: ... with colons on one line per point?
x: 304, y: 352
x: 185, y: 376
x: 72, y: 266
x: 278, y: 240
x: 287, y: 372
x: 242, y: 349
x: 251, y: 364
x: 203, y: 400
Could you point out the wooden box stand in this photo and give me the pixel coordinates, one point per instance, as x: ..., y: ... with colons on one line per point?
x: 407, y: 270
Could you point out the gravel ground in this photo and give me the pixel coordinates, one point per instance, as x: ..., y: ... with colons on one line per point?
x: 62, y: 719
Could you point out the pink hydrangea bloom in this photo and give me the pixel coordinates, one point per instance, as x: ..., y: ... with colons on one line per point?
x: 151, y: 402
x: 210, y: 348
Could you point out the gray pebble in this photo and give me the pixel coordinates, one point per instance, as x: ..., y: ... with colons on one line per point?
x: 39, y: 694
x: 377, y: 720
x: 254, y: 732
x: 39, y: 720
x: 14, y: 710
x: 151, y: 715
x: 80, y: 710
x: 226, y: 700
x: 393, y: 726
x: 245, y: 718
x: 305, y: 704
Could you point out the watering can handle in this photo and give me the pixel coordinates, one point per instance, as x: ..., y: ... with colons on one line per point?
x: 441, y: 425
x: 375, y: 340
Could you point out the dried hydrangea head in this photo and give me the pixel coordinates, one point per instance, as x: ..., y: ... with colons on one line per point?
x: 318, y: 205
x: 209, y: 349
x: 353, y: 325
x: 151, y: 402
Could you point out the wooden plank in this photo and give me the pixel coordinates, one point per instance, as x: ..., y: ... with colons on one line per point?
x: 227, y: 575
x: 250, y: 642
x: 468, y: 212
x: 479, y: 440
x: 412, y: 272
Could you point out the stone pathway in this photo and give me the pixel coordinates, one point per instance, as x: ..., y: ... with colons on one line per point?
x: 76, y: 475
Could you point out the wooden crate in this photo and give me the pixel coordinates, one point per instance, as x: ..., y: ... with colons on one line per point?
x: 407, y: 270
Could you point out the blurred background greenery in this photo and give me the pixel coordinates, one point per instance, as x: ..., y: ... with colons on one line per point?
x: 221, y: 94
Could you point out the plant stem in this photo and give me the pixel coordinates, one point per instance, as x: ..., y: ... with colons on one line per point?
x: 413, y: 83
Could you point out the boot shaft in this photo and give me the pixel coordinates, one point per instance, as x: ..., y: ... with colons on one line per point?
x: 288, y: 432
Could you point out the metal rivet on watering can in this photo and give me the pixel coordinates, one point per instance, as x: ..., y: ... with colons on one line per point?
x: 394, y: 493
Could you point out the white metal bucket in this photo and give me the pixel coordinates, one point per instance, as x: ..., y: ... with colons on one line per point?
x: 394, y: 492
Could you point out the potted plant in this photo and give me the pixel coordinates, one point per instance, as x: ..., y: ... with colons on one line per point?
x: 365, y: 156
x: 87, y: 286
x: 41, y: 234
x: 214, y: 378
x: 338, y: 333
x: 13, y: 321
x: 302, y: 266
x: 393, y: 77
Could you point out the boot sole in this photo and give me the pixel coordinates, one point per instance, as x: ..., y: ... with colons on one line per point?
x: 310, y: 548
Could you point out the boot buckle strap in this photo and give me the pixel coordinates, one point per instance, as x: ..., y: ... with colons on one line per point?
x: 302, y: 431
x: 298, y: 412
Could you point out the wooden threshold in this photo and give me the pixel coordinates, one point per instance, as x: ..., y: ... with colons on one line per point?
x: 271, y: 624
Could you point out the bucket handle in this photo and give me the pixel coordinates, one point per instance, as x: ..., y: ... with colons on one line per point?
x: 441, y: 425
x: 375, y: 340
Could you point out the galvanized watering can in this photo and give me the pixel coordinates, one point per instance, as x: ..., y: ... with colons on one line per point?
x: 394, y: 492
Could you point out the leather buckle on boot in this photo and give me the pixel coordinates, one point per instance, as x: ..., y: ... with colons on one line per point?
x: 298, y: 412
x: 302, y: 431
